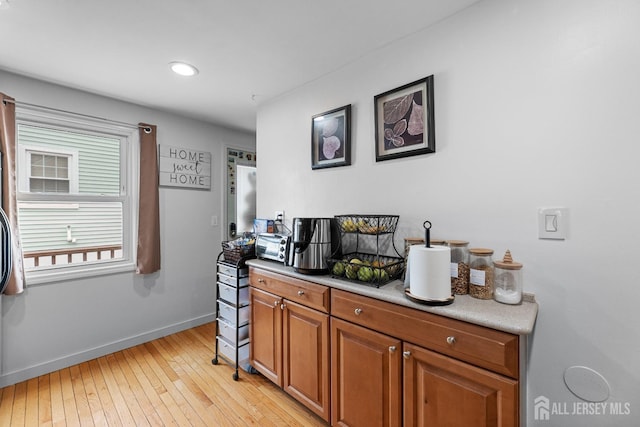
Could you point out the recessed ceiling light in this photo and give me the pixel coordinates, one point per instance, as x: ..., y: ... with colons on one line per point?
x: 183, y: 68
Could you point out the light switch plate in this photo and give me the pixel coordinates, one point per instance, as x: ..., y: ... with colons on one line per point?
x: 552, y: 223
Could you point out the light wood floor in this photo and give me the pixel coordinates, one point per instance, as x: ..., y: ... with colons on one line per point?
x: 166, y: 382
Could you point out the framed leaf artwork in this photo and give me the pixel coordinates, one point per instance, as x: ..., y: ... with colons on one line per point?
x: 405, y: 121
x: 331, y: 138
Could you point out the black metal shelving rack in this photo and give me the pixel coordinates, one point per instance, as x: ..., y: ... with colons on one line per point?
x: 237, y: 278
x: 378, y: 227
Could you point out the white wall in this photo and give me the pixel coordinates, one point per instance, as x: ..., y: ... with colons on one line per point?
x: 58, y: 324
x: 536, y: 105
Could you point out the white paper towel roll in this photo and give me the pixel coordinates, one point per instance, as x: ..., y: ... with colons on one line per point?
x: 430, y: 272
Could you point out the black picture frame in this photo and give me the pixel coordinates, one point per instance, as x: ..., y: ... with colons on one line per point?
x: 404, y: 121
x: 331, y: 138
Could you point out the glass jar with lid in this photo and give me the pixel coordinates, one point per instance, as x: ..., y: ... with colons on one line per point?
x: 459, y: 266
x: 508, y: 280
x: 481, y: 273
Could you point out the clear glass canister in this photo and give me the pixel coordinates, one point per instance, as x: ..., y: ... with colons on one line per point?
x: 481, y: 273
x: 459, y: 266
x: 508, y: 280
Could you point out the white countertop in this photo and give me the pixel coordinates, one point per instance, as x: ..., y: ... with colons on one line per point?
x: 516, y: 319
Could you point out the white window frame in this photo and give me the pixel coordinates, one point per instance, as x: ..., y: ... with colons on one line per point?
x: 129, y: 160
x: 24, y: 158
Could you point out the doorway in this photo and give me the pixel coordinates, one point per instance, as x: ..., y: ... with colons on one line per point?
x: 241, y: 192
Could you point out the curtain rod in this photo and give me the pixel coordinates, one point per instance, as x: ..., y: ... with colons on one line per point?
x: 147, y: 129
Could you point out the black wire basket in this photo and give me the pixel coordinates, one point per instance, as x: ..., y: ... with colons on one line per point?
x: 369, y: 269
x: 368, y: 224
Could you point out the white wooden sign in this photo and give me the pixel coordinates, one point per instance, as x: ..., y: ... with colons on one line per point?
x: 182, y: 167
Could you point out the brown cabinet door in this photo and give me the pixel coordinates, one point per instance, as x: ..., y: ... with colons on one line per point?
x: 444, y: 392
x: 305, y: 357
x: 265, y: 334
x: 366, y: 375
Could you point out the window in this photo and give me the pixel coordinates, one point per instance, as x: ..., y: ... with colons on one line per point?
x: 47, y: 169
x: 76, y: 199
x: 49, y: 173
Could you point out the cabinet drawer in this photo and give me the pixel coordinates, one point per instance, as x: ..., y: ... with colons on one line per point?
x: 228, y: 350
x: 228, y: 331
x: 233, y: 281
x: 231, y: 270
x: 229, y: 313
x: 306, y: 293
x: 229, y: 294
x: 488, y: 348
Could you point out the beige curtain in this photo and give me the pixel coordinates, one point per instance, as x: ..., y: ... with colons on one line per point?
x: 149, y: 209
x: 16, y: 283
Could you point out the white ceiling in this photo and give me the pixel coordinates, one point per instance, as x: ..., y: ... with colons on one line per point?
x: 247, y: 51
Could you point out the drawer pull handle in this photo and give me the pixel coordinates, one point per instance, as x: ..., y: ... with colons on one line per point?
x: 300, y: 293
x: 392, y: 349
x: 406, y: 354
x: 357, y: 311
x: 451, y: 340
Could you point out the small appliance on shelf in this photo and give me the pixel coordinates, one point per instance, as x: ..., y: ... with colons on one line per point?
x: 314, y: 240
x: 273, y: 246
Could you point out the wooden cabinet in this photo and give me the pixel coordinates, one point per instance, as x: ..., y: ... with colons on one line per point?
x: 265, y: 334
x: 289, y: 340
x: 436, y: 388
x: 367, y: 362
x: 366, y: 377
x: 442, y: 391
x: 494, y: 350
x: 305, y: 357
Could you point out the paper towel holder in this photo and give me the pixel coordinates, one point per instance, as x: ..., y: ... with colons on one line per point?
x: 407, y: 290
x: 427, y: 233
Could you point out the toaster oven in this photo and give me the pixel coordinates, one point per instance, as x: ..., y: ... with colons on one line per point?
x: 272, y: 246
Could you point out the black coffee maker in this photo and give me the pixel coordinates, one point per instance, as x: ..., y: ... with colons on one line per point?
x: 313, y: 241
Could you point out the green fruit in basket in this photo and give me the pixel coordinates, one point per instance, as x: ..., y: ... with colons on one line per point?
x: 351, y: 271
x: 365, y: 274
x: 338, y: 269
x: 380, y: 275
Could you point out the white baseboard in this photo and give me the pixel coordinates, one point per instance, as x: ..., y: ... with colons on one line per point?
x: 14, y: 377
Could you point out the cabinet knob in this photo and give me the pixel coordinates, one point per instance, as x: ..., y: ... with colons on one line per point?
x: 392, y: 349
x: 260, y: 280
x: 300, y: 293
x: 451, y: 340
x: 276, y: 302
x: 406, y: 354
x: 282, y: 306
x: 357, y: 311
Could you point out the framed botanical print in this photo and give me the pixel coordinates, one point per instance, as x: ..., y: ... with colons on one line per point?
x: 404, y: 121
x: 331, y: 138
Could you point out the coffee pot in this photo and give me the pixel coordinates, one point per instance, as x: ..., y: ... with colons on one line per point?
x: 313, y: 240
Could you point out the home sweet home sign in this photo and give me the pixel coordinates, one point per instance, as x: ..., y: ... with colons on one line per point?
x: 183, y: 167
